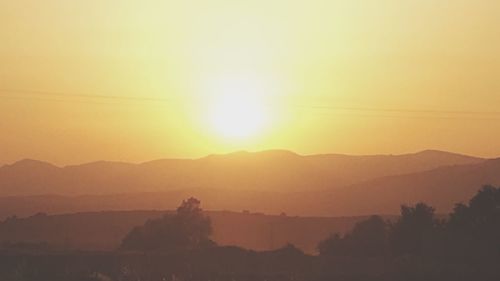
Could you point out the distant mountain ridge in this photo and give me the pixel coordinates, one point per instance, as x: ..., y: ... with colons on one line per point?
x: 441, y: 187
x: 270, y: 171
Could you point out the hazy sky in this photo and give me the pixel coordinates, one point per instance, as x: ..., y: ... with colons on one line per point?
x: 135, y: 80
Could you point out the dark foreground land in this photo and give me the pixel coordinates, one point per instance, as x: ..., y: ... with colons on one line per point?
x: 231, y: 263
x: 418, y: 246
x: 104, y: 231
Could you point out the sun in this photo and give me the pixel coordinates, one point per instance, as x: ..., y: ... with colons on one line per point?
x: 238, y: 116
x: 237, y: 108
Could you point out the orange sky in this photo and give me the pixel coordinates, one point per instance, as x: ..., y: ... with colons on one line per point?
x: 139, y: 80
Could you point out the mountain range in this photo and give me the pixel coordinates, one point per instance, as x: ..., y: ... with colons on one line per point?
x: 270, y: 181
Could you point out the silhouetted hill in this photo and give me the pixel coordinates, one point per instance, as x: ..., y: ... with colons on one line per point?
x: 29, y: 177
x: 105, y: 230
x: 441, y: 188
x: 270, y: 182
x: 270, y: 171
x: 358, y: 169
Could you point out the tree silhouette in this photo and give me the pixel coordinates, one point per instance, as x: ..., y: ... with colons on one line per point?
x: 474, y: 230
x: 483, y: 211
x: 368, y: 238
x: 415, y: 226
x: 187, y: 229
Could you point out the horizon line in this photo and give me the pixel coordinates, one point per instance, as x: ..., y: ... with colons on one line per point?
x: 248, y: 152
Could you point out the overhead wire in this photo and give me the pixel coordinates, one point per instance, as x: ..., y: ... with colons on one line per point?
x: 54, y: 96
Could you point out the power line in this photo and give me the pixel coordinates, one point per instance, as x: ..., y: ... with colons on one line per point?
x: 403, y: 110
x: 434, y: 117
x: 69, y: 97
x: 55, y: 100
x: 73, y: 95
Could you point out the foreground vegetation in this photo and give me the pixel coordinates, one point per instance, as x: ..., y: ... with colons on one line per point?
x: 417, y: 246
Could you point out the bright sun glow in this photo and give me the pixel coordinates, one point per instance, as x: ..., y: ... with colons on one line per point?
x: 238, y: 109
x: 238, y: 117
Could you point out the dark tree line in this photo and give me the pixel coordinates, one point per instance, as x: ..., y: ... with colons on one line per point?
x: 472, y: 231
x: 368, y: 238
x: 187, y: 229
x: 417, y: 246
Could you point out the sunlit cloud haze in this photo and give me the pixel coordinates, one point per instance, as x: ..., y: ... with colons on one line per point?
x: 139, y: 80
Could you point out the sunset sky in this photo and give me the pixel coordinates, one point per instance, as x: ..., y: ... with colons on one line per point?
x: 140, y: 80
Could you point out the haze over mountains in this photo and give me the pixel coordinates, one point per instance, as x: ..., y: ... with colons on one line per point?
x: 269, y: 181
x: 281, y: 171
